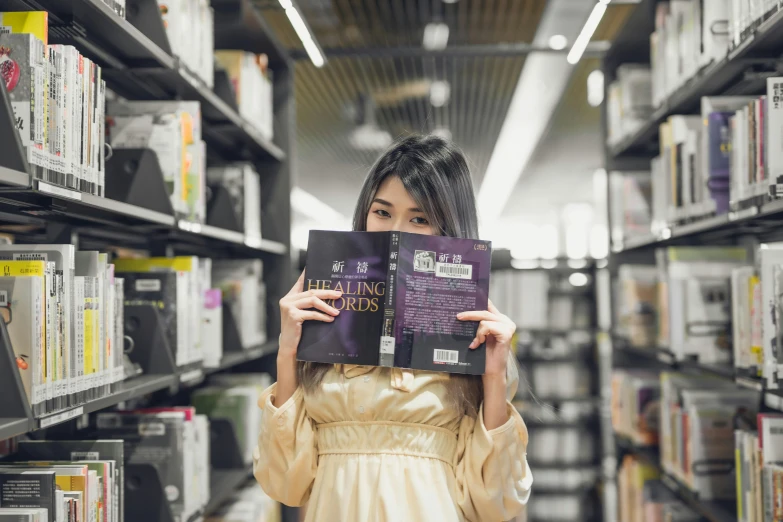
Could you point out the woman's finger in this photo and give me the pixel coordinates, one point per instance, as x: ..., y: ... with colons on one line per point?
x: 477, y: 316
x: 320, y: 294
x: 312, y: 315
x: 318, y: 304
x: 485, y: 329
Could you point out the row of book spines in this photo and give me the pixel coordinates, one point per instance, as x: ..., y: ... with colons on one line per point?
x: 71, y: 341
x: 759, y: 481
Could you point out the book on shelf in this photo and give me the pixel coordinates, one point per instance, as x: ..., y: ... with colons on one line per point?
x: 635, y: 401
x: 697, y: 285
x: 172, y: 129
x: 696, y: 443
x: 637, y: 310
x: 212, y: 328
x: 241, y: 282
x: 630, y: 205
x: 237, y: 404
x: 108, y: 451
x: 243, y: 185
x: 172, y: 440
x: 401, y: 294
x: 770, y: 262
x: 251, y: 79
x: 57, y: 96
x: 184, y: 308
x: 189, y: 26
x: 29, y: 488
x: 629, y: 101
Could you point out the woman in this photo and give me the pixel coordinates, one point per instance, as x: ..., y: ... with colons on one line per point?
x: 366, y: 444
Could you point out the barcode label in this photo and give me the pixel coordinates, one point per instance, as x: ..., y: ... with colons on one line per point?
x: 85, y: 455
x: 453, y: 271
x: 148, y: 285
x: 446, y: 356
x: 3, y: 298
x: 5, y: 29
x: 387, y: 345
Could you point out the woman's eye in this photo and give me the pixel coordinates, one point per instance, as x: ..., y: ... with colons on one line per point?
x: 420, y: 221
x: 382, y: 213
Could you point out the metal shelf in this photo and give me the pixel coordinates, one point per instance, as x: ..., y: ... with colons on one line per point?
x: 663, y: 356
x: 730, y: 73
x: 223, y: 484
x: 13, y: 427
x: 236, y: 358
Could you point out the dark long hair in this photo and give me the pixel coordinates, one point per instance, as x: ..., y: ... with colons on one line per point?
x: 436, y: 175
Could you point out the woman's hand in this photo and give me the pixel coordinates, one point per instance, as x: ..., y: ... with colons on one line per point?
x: 496, y: 330
x: 299, y: 306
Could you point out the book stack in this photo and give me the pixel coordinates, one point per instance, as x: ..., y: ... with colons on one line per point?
x: 243, y: 185
x: 234, y: 397
x: 63, y: 310
x: 757, y: 315
x: 694, y: 319
x: 190, y: 28
x: 68, y: 481
x: 629, y: 101
x: 637, y: 309
x: 635, y: 401
x: 57, y: 96
x: 244, y: 293
x: 759, y: 463
x: 171, y: 129
x: 696, y: 433
x: 175, y: 441
x: 249, y: 504
x: 746, y: 15
x: 177, y: 287
x: 644, y: 498
x: 685, y: 41
x: 251, y: 79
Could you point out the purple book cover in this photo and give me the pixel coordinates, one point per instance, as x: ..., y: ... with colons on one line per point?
x: 401, y: 295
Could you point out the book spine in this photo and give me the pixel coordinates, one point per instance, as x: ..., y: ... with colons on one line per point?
x: 388, y: 340
x: 774, y: 150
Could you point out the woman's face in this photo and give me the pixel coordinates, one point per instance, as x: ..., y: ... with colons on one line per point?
x: 394, y: 209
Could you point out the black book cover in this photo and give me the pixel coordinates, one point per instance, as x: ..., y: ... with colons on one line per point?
x: 401, y: 296
x: 29, y: 488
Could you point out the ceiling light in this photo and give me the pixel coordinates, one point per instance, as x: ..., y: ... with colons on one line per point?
x: 595, y: 88
x: 525, y: 264
x: 450, y: 1
x: 586, y: 35
x: 369, y: 137
x: 440, y: 92
x: 577, y: 279
x: 313, y: 208
x: 558, y: 42
x: 312, y: 49
x: 436, y: 36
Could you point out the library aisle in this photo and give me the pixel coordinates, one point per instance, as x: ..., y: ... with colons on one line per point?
x: 164, y: 163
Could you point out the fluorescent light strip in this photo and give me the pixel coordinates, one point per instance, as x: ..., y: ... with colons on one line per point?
x: 313, y: 208
x: 578, y: 49
x: 303, y: 33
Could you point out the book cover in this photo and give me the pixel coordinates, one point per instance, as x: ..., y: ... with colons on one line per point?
x: 87, y: 266
x: 243, y: 292
x: 236, y: 404
x: 23, y: 515
x: 28, y: 488
x: 401, y: 295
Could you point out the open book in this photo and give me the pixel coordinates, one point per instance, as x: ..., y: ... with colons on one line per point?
x: 401, y: 296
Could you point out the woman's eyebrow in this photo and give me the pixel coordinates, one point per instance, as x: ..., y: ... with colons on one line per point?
x: 382, y: 202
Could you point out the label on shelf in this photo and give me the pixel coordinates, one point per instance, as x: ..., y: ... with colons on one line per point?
x: 665, y: 357
x: 59, y: 191
x: 61, y: 417
x: 189, y: 226
x: 749, y: 383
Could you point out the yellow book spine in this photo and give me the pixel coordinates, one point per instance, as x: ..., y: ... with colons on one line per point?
x: 23, y: 22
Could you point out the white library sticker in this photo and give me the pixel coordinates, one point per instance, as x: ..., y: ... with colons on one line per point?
x: 453, y: 271
x: 148, y: 285
x: 3, y: 298
x: 446, y: 356
x: 387, y: 345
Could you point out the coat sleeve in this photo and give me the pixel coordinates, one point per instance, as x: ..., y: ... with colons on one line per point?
x: 493, y: 476
x: 286, y: 458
